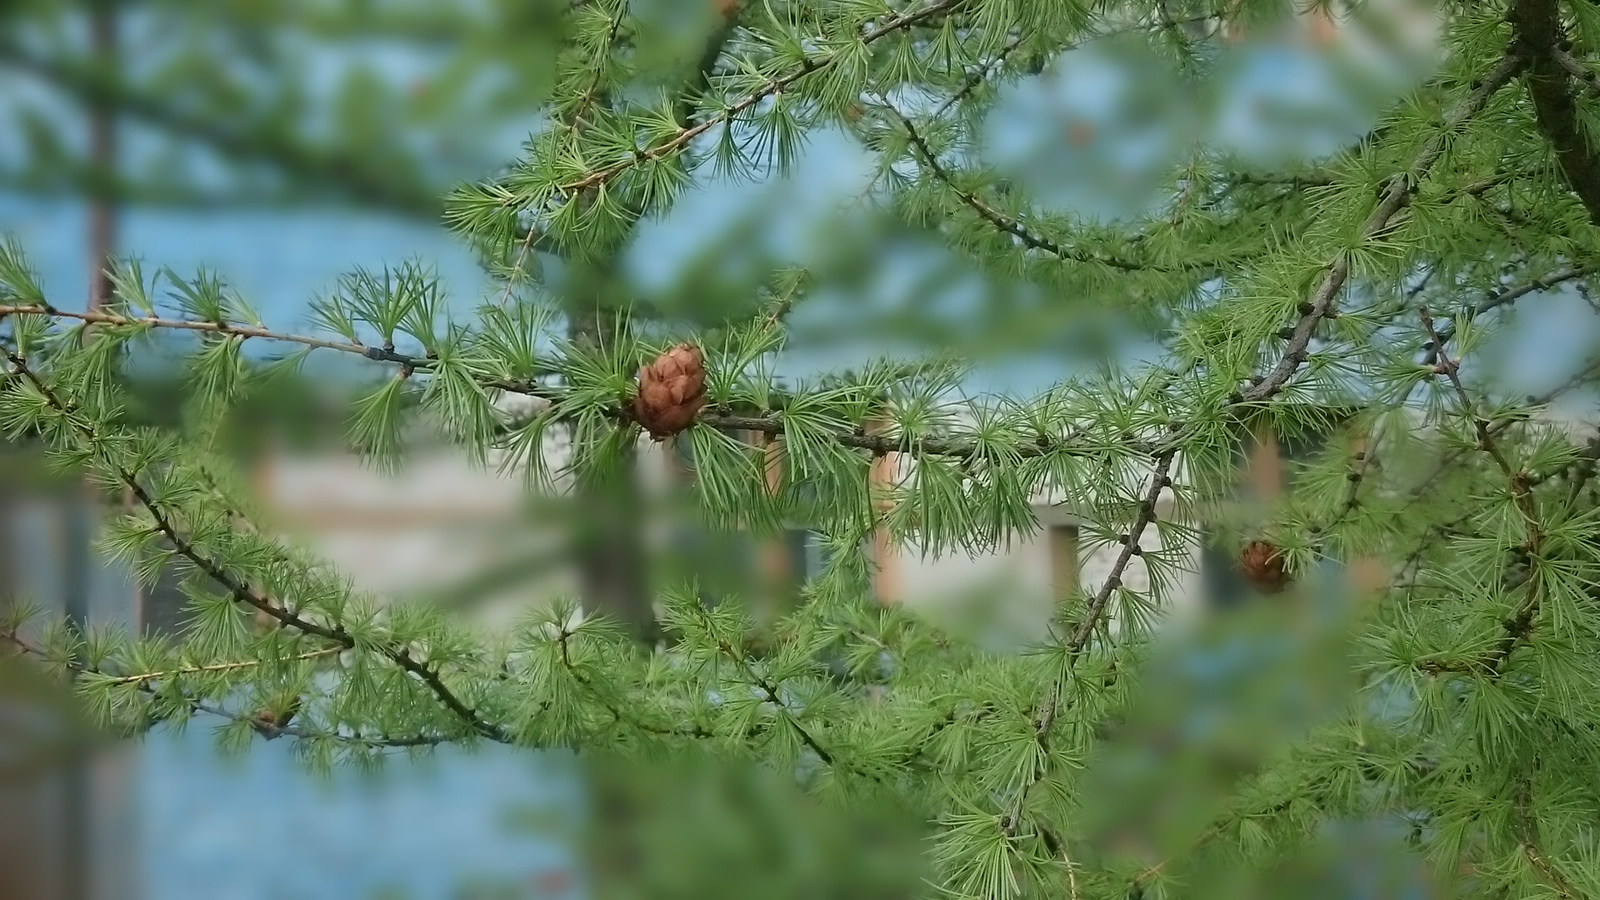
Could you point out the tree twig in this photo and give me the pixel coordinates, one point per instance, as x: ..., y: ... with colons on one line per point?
x: 200, y: 706
x: 243, y: 593
x: 1518, y: 624
x: 811, y: 65
x: 142, y: 677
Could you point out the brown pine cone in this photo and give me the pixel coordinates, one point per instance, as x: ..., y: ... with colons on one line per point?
x: 1262, y: 565
x: 671, y: 391
x: 271, y: 724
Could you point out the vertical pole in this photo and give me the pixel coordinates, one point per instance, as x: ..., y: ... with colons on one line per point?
x: 103, y: 157
x: 75, y: 817
x: 1322, y: 26
x: 885, y: 555
x: 9, y: 579
x: 609, y: 542
x: 23, y: 854
x: 81, y: 505
x: 774, y: 560
x: 1063, y: 561
x: 102, y: 247
x: 1230, y: 30
x: 1266, y: 465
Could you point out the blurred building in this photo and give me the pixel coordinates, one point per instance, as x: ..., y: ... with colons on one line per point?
x: 444, y: 519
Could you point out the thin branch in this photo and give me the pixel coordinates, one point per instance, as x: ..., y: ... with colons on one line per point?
x: 1453, y: 527
x: 979, y: 75
x: 1520, y: 622
x: 617, y: 713
x: 1577, y: 69
x: 1528, y: 838
x: 1588, y: 372
x: 143, y: 677
x: 1072, y: 874
x: 1365, y: 460
x: 1079, y: 639
x: 574, y: 122
x: 267, y: 730
x: 710, y: 55
x: 809, y: 66
x: 1394, y: 199
x: 1504, y: 297
x: 224, y: 328
x: 770, y: 690
x: 1355, y: 477
x: 243, y: 593
x: 770, y: 423
x: 999, y: 219
x: 1200, y: 840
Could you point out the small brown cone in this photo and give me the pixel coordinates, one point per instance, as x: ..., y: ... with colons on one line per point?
x: 671, y: 391
x: 271, y: 724
x: 1262, y: 565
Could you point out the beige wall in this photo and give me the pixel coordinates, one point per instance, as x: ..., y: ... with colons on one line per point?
x: 1021, y: 580
x: 442, y: 520
x: 435, y: 525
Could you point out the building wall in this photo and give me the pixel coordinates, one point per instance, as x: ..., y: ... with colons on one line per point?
x: 1025, y: 581
x: 436, y: 524
x: 443, y: 519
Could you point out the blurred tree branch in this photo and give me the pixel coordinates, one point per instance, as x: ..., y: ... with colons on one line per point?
x: 1539, y: 37
x: 330, y: 167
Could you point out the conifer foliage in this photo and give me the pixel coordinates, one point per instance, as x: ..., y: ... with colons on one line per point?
x: 1457, y: 712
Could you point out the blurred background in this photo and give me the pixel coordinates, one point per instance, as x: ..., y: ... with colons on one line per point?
x: 282, y: 144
